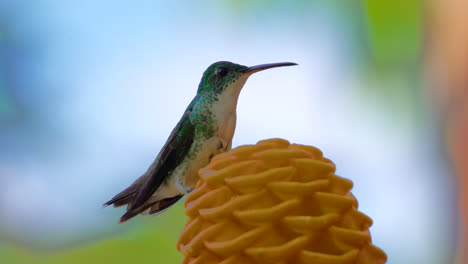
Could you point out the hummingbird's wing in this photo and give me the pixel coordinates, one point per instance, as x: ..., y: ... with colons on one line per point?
x: 170, y: 156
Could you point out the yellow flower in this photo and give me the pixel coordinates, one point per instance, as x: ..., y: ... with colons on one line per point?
x: 275, y: 202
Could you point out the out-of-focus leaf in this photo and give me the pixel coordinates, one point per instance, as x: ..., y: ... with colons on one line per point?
x: 394, y: 29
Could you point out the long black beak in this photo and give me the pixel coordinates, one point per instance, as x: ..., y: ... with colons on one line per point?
x: 262, y: 67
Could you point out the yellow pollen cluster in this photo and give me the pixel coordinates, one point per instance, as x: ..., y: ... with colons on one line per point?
x: 275, y: 202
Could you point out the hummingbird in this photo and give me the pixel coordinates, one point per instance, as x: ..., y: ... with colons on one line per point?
x: 205, y: 130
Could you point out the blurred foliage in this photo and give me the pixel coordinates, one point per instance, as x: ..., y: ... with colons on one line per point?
x: 392, y: 64
x: 394, y: 31
x: 153, y: 242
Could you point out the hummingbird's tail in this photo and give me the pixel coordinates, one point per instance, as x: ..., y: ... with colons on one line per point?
x: 152, y: 208
x: 149, y: 207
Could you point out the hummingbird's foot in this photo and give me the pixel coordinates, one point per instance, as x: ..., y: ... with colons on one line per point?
x: 224, y: 145
x: 210, y: 157
x: 220, y: 144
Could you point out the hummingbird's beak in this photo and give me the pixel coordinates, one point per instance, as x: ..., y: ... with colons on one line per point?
x: 262, y: 67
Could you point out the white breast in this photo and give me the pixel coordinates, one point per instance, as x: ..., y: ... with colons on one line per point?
x: 224, y: 109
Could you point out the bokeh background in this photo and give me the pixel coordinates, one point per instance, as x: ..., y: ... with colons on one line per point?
x: 90, y: 90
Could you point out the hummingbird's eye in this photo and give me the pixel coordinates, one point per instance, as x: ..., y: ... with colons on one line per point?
x: 222, y: 72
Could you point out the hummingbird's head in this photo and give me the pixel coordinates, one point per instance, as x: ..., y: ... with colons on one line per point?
x: 222, y: 75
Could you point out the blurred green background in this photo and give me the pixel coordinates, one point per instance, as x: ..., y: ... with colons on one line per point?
x: 90, y: 90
